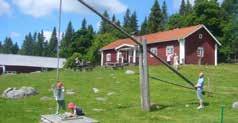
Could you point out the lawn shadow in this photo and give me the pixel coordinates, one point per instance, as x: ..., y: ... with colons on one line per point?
x: 196, y: 103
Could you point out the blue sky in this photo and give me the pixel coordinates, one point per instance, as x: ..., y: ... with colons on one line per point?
x: 19, y: 17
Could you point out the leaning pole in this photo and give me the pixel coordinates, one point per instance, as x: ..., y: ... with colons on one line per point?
x: 59, y: 39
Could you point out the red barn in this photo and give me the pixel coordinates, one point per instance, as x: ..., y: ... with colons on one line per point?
x: 195, y: 44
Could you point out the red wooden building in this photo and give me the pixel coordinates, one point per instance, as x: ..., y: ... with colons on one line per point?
x: 192, y: 44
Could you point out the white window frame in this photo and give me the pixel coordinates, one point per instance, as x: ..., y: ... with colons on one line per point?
x: 200, y: 52
x: 169, y: 50
x: 154, y: 50
x: 108, y: 57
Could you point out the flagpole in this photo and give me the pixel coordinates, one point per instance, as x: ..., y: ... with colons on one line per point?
x: 59, y: 39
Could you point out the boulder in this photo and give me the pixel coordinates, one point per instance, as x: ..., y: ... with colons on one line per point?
x: 13, y: 93
x: 235, y: 105
x: 129, y: 72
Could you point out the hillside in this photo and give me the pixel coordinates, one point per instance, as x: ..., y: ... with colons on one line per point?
x: 120, y: 99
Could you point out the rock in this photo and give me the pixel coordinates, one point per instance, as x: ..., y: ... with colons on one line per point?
x: 98, y: 110
x: 235, y: 105
x: 110, y: 93
x: 129, y: 72
x: 45, y: 98
x: 95, y: 90
x: 70, y: 92
x: 101, y: 99
x: 13, y: 93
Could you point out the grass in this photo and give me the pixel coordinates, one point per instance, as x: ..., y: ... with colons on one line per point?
x: 124, y: 105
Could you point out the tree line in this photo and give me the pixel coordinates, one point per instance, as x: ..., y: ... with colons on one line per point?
x: 220, y: 19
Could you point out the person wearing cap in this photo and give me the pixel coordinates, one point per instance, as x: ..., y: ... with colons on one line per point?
x: 75, y: 110
x: 59, y: 96
x: 199, y: 87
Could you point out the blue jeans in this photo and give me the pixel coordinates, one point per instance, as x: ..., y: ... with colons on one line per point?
x: 199, y: 94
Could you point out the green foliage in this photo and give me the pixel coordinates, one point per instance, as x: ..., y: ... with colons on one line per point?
x: 8, y: 46
x: 71, y: 61
x: 52, y: 48
x: 155, y: 18
x: 165, y: 14
x: 67, y: 41
x: 28, y: 45
x: 105, y: 27
x: 144, y: 27
x: 100, y: 40
x: 182, y: 10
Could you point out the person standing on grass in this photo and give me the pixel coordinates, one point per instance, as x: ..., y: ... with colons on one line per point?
x: 175, y: 62
x: 169, y: 57
x: 199, y: 87
x: 59, y: 96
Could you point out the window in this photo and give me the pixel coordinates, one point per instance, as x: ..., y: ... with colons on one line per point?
x: 200, y: 36
x: 154, y: 51
x: 108, y: 57
x: 200, y: 52
x: 169, y: 50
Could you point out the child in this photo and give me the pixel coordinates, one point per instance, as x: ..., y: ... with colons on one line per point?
x: 199, y: 87
x: 59, y: 96
x: 175, y: 61
x: 75, y: 110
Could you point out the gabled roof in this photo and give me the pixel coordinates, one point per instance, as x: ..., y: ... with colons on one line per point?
x: 30, y: 61
x: 170, y: 35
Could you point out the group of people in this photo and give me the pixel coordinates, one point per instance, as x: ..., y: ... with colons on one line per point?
x: 59, y: 97
x: 173, y: 59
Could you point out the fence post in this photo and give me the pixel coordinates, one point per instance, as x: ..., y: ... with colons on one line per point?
x: 144, y: 81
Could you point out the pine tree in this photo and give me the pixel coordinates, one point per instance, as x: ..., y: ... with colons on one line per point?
x: 1, y: 47
x: 182, y: 10
x: 104, y: 26
x: 189, y: 7
x: 52, y: 48
x: 155, y: 18
x: 67, y: 41
x: 28, y: 45
x: 15, y: 48
x: 165, y: 14
x: 127, y: 18
x: 84, y: 24
x: 40, y: 44
x: 144, y: 27
x: 7, y: 46
x: 133, y: 23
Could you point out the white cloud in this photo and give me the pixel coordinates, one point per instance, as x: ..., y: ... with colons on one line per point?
x: 47, y: 35
x: 14, y: 34
x: 41, y: 8
x: 4, y: 7
x: 176, y: 3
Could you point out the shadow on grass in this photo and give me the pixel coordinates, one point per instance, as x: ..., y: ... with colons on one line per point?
x: 157, y: 107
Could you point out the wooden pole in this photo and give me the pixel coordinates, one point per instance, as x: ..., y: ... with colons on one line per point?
x: 144, y: 81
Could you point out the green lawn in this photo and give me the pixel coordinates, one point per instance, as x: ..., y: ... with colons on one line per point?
x: 124, y: 105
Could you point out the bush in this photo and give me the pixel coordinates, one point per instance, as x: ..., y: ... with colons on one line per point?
x: 71, y: 61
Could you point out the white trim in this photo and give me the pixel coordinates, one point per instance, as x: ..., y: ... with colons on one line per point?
x: 102, y: 59
x: 123, y: 46
x: 118, y: 56
x: 134, y: 55
x: 215, y: 54
x: 3, y: 69
x: 169, y: 47
x: 182, y: 51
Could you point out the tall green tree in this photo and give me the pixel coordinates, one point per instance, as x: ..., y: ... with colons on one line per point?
x: 133, y: 23
x: 15, y: 48
x: 165, y: 14
x: 8, y: 45
x: 182, y: 10
x: 52, y: 48
x: 189, y: 7
x: 40, y: 44
x: 1, y: 47
x: 28, y: 45
x: 155, y: 18
x: 144, y: 27
x: 127, y: 18
x: 104, y: 26
x: 67, y: 41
